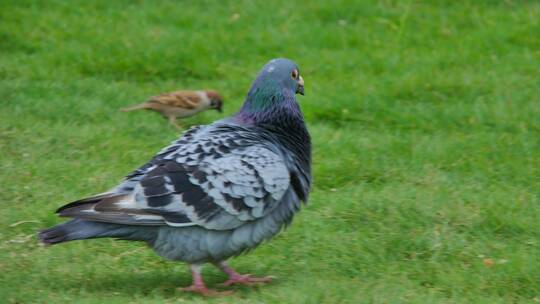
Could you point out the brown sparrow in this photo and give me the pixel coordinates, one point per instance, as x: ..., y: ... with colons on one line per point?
x: 180, y: 104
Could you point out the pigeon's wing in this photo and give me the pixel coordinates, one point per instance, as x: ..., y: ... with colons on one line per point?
x: 217, y: 180
x: 179, y: 99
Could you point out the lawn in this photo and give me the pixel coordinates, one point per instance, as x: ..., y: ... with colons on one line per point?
x: 425, y: 119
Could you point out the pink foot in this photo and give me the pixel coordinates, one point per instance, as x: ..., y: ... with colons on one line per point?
x: 198, y: 285
x: 246, y: 279
x: 205, y: 291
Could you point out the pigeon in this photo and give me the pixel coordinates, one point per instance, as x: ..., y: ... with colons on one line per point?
x: 180, y: 104
x: 218, y: 191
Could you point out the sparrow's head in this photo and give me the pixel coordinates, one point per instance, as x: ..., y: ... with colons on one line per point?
x: 216, y: 101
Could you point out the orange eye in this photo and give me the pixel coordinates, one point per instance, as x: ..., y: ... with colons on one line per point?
x: 294, y: 74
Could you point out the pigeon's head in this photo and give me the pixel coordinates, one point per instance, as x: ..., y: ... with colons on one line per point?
x: 271, y: 98
x: 280, y: 74
x: 216, y: 101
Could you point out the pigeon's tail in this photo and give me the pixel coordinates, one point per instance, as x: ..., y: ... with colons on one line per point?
x: 140, y: 106
x: 78, y: 229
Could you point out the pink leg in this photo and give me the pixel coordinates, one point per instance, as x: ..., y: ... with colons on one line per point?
x: 242, y: 279
x: 198, y: 285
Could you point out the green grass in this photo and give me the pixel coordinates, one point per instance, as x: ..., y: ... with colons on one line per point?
x: 425, y: 117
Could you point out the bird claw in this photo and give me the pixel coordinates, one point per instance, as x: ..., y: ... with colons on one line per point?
x: 247, y: 280
x: 205, y: 291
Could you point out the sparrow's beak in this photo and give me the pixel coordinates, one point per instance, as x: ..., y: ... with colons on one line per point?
x: 300, y: 88
x: 219, y: 108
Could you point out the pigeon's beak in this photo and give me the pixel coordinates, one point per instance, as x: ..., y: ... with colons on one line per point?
x: 300, y: 88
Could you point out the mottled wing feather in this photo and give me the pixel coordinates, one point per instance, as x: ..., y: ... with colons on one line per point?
x: 217, y: 181
x: 217, y: 178
x: 112, y: 208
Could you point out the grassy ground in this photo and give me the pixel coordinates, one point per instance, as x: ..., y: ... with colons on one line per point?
x: 425, y: 117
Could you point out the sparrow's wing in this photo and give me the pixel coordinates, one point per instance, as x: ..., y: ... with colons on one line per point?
x: 180, y: 99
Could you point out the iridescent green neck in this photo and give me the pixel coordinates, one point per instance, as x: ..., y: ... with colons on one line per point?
x: 262, y: 98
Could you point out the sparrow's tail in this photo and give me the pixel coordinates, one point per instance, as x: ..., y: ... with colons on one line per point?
x: 140, y: 106
x: 78, y: 229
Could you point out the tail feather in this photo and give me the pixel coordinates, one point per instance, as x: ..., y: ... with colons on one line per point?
x: 140, y: 106
x: 78, y: 229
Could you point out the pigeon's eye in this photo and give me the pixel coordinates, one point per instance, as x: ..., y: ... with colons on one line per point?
x: 294, y: 74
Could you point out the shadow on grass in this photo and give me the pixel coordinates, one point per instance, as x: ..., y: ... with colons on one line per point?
x: 163, y: 284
